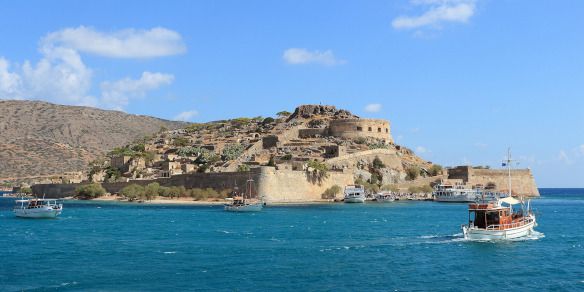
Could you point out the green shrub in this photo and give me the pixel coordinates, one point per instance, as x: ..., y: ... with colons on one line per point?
x: 377, y: 163
x: 89, y: 191
x: 435, y: 170
x: 282, y: 114
x: 412, y: 172
x: 152, y: 190
x: 243, y: 168
x: 232, y: 151
x: 331, y: 192
x: 360, y: 140
x: 180, y: 141
x: 133, y: 192
x: 26, y: 190
x: 268, y: 120
x: 139, y: 147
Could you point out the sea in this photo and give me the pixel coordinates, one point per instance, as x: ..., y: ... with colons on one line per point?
x: 399, y: 246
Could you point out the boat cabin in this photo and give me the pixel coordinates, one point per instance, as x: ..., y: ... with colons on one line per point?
x: 36, y: 203
x: 493, y: 216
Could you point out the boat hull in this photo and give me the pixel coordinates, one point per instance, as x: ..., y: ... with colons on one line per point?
x: 244, y: 208
x: 355, y: 200
x: 37, y: 213
x: 511, y: 233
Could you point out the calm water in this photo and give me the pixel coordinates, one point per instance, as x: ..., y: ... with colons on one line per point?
x: 399, y: 246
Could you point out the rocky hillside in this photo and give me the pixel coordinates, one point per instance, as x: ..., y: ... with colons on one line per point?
x: 44, y: 139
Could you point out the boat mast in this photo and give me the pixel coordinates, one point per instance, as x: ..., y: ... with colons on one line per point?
x: 507, y: 162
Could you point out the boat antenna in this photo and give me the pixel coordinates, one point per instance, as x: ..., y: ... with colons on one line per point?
x: 507, y: 162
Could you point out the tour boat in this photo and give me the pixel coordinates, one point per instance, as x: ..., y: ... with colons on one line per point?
x: 384, y: 197
x: 244, y: 202
x: 492, y: 220
x: 354, y: 194
x: 37, y: 208
x: 445, y: 192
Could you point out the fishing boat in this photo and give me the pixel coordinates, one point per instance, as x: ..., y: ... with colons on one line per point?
x: 384, y: 197
x: 244, y: 202
x: 354, y: 194
x: 37, y: 208
x: 499, y: 219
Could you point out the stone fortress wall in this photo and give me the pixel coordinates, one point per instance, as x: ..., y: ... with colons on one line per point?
x: 277, y: 186
x: 361, y: 128
x: 522, y: 181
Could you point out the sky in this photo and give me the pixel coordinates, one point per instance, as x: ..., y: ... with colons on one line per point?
x: 459, y: 80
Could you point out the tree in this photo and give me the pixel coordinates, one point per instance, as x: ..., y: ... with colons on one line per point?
x: 331, y: 192
x: 152, y: 190
x: 139, y: 147
x: 26, y: 190
x: 132, y: 192
x: 412, y: 172
x: 89, y: 191
x: 377, y: 163
x: 268, y: 120
x: 435, y: 170
x: 283, y: 114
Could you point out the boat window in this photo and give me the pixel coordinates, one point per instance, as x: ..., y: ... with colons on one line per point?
x: 480, y: 219
x: 492, y: 218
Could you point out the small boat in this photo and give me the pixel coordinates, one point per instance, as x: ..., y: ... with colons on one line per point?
x: 37, y: 208
x: 354, y: 194
x: 492, y: 220
x: 244, y: 202
x: 384, y: 197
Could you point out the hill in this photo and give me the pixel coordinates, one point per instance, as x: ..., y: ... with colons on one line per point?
x: 43, y: 139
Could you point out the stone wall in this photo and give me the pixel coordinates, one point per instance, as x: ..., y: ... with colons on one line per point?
x: 310, y: 133
x: 522, y: 180
x: 275, y: 185
x: 350, y: 161
x: 289, y: 186
x: 355, y: 128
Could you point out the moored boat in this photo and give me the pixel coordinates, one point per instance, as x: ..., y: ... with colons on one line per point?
x: 384, y: 197
x: 244, y: 202
x: 354, y: 194
x: 37, y: 208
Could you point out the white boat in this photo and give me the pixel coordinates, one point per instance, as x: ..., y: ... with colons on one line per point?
x: 495, y: 221
x: 37, y: 208
x: 384, y: 197
x: 244, y: 202
x: 354, y: 194
x: 445, y: 192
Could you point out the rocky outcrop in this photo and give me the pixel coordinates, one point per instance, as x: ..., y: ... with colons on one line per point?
x: 308, y: 111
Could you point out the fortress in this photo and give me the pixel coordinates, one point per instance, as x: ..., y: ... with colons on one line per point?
x: 277, y: 154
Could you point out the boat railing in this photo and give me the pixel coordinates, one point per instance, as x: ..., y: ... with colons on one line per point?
x: 516, y: 224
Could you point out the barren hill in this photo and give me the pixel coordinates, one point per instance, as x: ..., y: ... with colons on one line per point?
x: 42, y: 139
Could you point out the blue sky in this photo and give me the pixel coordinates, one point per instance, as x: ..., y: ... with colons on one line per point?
x: 460, y: 80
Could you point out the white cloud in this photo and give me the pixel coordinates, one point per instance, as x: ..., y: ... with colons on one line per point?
x: 10, y: 83
x: 298, y: 56
x: 186, y: 116
x: 373, y: 108
x: 436, y: 13
x: 127, y: 43
x: 61, y: 75
x: 421, y: 150
x: 563, y: 157
x: 117, y: 94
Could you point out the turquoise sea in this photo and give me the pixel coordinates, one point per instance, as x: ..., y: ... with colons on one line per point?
x: 402, y: 246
